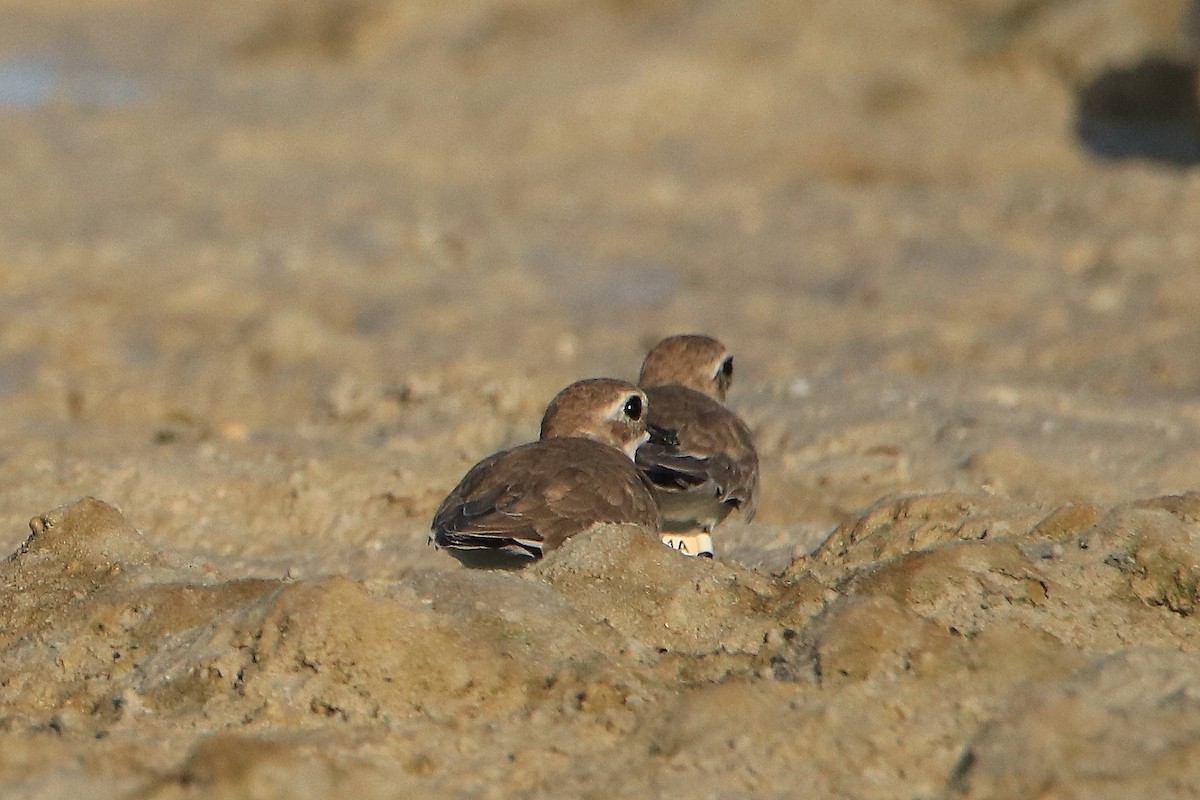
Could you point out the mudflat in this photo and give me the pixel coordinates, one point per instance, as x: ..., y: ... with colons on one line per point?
x: 273, y: 275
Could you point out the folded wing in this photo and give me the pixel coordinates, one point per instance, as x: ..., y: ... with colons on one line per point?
x: 531, y: 498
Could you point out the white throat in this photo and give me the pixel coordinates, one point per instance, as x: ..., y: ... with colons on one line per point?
x: 630, y: 449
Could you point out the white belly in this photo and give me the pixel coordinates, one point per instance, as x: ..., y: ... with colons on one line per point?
x: 690, y: 511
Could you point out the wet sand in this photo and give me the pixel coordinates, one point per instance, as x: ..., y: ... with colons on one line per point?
x: 274, y: 275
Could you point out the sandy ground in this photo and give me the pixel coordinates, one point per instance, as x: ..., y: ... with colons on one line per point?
x: 273, y: 275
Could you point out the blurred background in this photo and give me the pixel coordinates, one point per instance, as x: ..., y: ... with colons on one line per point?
x: 275, y: 273
x: 246, y: 222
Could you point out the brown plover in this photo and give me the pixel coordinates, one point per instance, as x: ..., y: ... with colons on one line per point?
x: 528, y: 500
x: 713, y: 468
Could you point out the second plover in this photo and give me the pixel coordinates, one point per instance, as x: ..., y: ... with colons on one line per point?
x: 528, y: 500
x: 713, y: 468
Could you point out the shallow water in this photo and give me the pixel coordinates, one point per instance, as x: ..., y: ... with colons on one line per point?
x: 31, y: 82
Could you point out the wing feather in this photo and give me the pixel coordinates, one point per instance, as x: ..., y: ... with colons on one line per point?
x: 715, y: 455
x: 535, y: 496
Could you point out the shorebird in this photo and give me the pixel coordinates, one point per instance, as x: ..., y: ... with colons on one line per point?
x: 528, y: 500
x: 712, y: 469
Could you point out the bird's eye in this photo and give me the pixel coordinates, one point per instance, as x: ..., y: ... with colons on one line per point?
x: 727, y: 367
x: 633, y: 408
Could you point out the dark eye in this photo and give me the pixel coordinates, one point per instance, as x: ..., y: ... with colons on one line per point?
x: 633, y: 408
x: 727, y: 367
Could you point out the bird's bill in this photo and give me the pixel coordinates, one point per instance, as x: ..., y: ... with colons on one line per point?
x: 661, y: 435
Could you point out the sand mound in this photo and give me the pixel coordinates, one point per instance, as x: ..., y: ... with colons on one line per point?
x: 275, y: 273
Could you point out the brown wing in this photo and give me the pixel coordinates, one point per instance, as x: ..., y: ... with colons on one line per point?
x: 715, y: 454
x: 531, y: 498
x: 483, y: 510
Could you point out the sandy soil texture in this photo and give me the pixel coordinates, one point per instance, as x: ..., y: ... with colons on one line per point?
x: 274, y: 274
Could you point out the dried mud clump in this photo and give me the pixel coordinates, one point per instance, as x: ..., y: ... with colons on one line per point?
x: 85, y: 535
x: 92, y: 630
x: 623, y: 579
x: 1006, y: 662
x: 1126, y: 725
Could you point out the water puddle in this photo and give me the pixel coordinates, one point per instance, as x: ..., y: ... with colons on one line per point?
x: 31, y: 82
